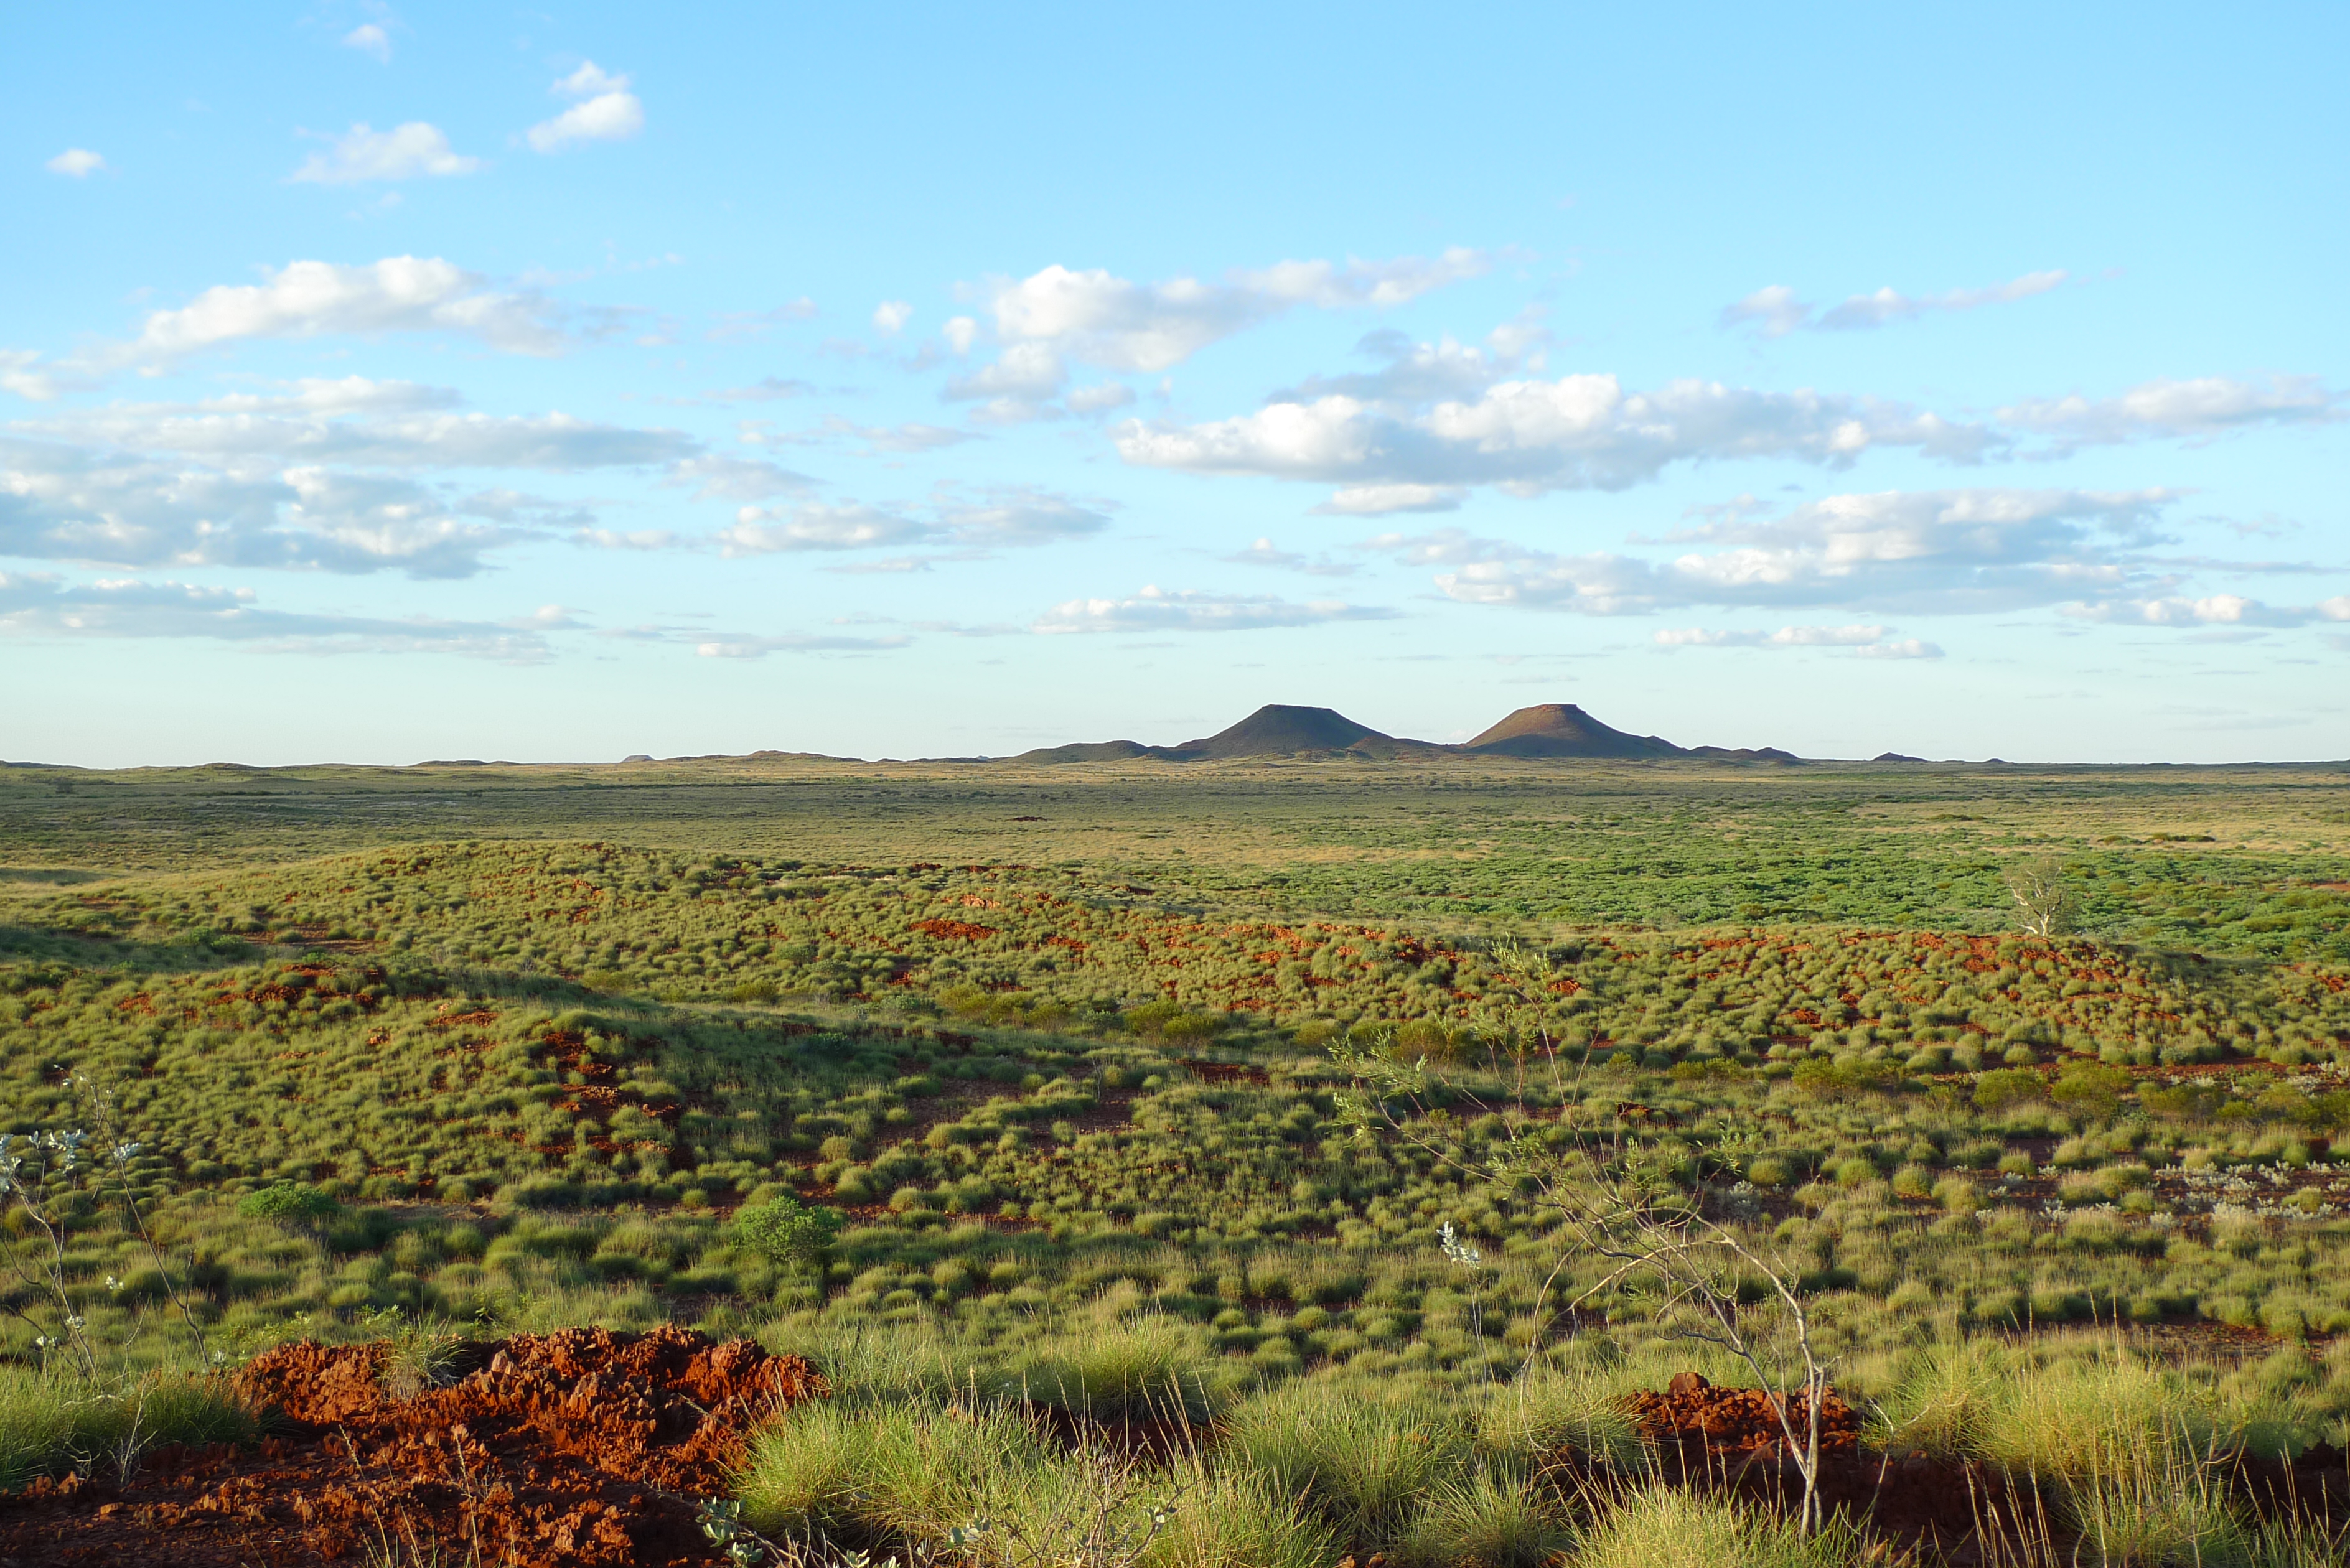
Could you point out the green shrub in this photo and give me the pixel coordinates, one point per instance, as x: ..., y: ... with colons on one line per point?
x: 787, y: 1233
x: 291, y: 1201
x: 2005, y: 1086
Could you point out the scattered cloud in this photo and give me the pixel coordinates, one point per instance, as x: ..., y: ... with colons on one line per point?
x: 750, y: 326
x: 743, y: 645
x: 890, y: 566
x: 1264, y: 553
x: 2213, y: 610
x: 1941, y: 552
x: 1866, y: 641
x: 1106, y: 320
x: 1101, y: 398
x: 1429, y: 372
x: 368, y: 38
x: 606, y: 111
x: 2199, y: 409
x: 1020, y: 515
x: 642, y: 539
x: 42, y: 605
x: 109, y: 507
x: 1775, y: 311
x: 761, y: 531
x: 308, y: 299
x: 766, y: 390
x: 890, y: 316
x: 1785, y: 637
x: 1010, y: 516
x: 715, y: 478
x: 1381, y: 500
x: 890, y: 441
x: 75, y: 163
x: 354, y: 420
x: 1580, y: 431
x: 1156, y: 610
x: 1018, y: 387
x: 363, y: 154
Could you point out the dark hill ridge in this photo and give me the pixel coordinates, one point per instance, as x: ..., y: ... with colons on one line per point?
x: 1276, y: 730
x: 1279, y: 730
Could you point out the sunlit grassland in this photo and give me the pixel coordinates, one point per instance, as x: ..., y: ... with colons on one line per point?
x: 2185, y: 855
x: 531, y: 1037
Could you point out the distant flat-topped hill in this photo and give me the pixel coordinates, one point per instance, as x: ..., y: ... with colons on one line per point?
x: 1281, y: 729
x: 1564, y: 730
x: 1277, y: 729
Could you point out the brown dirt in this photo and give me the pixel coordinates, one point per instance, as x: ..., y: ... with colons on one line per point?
x: 579, y: 1448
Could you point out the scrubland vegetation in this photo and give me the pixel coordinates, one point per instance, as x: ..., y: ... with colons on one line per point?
x: 1067, y: 1168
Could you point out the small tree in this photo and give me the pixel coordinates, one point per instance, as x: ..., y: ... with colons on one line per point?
x: 289, y: 1201
x: 787, y: 1233
x: 2044, y: 901
x: 295, y: 1205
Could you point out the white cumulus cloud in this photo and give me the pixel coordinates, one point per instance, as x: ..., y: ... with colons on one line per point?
x: 606, y: 111
x: 889, y: 317
x: 368, y: 38
x: 404, y: 152
x: 75, y: 163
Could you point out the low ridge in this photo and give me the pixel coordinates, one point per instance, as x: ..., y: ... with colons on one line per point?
x: 1090, y: 751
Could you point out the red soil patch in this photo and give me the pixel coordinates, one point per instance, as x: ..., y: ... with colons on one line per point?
x: 1225, y: 1072
x: 1693, y: 1412
x: 579, y: 1448
x: 946, y: 929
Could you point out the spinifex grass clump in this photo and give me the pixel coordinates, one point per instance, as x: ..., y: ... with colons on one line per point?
x: 53, y: 1422
x: 1365, y: 1464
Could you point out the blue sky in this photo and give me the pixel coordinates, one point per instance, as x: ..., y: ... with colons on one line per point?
x: 388, y: 382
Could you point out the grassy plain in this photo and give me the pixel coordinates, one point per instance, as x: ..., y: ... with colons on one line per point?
x: 1057, y: 1045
